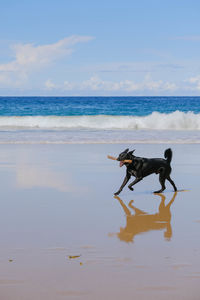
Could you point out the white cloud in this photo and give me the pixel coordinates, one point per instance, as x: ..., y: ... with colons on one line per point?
x: 69, y: 86
x: 95, y: 83
x: 158, y: 85
x: 50, y: 85
x: 195, y: 81
x: 30, y: 58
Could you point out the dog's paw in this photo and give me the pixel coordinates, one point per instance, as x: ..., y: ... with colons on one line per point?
x: 131, y: 188
x: 117, y: 193
x: 158, y: 192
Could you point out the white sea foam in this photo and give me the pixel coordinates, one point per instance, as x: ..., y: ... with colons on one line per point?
x: 156, y: 121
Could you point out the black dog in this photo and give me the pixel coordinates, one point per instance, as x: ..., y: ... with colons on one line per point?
x: 141, y: 167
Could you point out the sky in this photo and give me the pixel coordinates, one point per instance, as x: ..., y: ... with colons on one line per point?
x: 99, y: 48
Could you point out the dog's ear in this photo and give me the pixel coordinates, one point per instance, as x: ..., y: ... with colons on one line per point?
x: 131, y: 152
x: 126, y: 150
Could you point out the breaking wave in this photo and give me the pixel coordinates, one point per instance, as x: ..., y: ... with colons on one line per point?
x: 156, y: 121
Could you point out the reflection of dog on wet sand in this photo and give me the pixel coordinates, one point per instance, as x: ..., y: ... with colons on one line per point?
x: 141, y: 222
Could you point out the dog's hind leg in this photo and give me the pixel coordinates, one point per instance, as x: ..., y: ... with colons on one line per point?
x: 172, y: 183
x: 162, y: 179
x: 134, y: 182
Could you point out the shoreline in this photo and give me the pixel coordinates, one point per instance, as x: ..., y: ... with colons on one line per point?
x: 99, y: 137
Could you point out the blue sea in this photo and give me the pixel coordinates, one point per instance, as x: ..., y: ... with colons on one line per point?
x: 99, y: 120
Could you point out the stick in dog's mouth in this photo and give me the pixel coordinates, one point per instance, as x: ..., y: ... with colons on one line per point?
x: 122, y: 162
x: 111, y: 157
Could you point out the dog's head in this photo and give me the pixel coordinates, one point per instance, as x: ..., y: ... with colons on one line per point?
x: 126, y: 154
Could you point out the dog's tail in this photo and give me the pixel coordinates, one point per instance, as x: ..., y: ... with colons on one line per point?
x: 168, y: 155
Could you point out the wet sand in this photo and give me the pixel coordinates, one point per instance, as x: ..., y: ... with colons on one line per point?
x: 64, y: 236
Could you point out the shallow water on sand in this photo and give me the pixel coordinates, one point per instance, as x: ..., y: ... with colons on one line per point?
x: 64, y: 236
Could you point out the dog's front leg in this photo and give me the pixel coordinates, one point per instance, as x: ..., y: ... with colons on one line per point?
x: 134, y: 182
x: 126, y: 179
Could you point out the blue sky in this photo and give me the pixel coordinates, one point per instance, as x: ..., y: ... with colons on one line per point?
x: 145, y: 47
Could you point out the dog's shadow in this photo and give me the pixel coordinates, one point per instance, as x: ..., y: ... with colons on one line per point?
x: 141, y: 222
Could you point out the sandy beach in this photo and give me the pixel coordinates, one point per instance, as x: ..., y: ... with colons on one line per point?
x: 64, y: 235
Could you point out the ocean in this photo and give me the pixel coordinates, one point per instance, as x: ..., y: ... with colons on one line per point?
x: 99, y: 120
